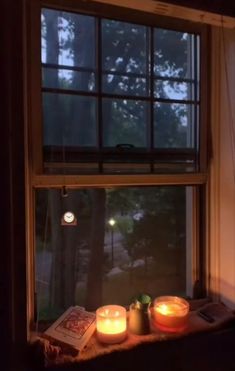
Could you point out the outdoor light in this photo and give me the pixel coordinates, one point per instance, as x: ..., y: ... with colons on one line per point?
x: 112, y: 222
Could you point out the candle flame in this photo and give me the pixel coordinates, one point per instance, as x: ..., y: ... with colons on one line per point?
x: 163, y: 308
x: 171, y: 309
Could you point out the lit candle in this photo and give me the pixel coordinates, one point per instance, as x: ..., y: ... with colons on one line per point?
x: 170, y: 313
x: 111, y: 324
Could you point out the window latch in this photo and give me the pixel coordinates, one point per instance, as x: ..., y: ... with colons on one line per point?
x: 123, y: 146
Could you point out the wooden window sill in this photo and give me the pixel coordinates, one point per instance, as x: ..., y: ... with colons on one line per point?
x: 50, y: 356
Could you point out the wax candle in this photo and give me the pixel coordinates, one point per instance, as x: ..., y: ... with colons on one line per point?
x: 170, y: 313
x: 111, y: 324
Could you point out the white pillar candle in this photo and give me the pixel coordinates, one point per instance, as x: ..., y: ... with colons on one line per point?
x: 170, y: 313
x: 111, y: 324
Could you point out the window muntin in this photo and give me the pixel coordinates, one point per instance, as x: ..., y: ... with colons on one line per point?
x: 68, y: 75
x: 146, y: 95
x: 148, y: 249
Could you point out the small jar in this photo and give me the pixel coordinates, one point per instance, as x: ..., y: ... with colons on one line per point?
x: 139, y: 315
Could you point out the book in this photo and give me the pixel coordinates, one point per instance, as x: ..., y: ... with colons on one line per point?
x: 74, y: 327
x: 215, y: 312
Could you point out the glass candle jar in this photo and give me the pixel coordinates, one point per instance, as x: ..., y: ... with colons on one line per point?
x: 170, y: 313
x: 111, y: 325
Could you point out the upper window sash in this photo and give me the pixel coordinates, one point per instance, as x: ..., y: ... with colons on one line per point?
x: 157, y: 93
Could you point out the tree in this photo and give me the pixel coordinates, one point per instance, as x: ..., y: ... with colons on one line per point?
x: 159, y: 225
x: 95, y: 268
x: 63, y: 127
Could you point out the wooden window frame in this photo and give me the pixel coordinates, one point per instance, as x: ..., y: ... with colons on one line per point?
x: 36, y: 177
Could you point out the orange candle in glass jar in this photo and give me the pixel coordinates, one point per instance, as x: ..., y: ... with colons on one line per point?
x: 111, y: 324
x: 170, y: 313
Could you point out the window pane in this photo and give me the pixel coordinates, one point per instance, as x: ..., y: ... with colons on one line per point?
x: 108, y: 84
x: 173, y: 125
x: 124, y: 122
x: 94, y: 262
x: 124, y: 85
x: 173, y: 90
x: 124, y: 47
x: 68, y: 79
x: 67, y: 38
x: 173, y: 53
x: 69, y: 120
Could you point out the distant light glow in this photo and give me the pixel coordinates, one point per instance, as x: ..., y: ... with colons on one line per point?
x: 112, y: 222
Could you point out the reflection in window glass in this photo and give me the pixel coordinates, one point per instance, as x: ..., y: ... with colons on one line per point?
x: 173, y: 125
x: 87, y: 263
x: 69, y: 120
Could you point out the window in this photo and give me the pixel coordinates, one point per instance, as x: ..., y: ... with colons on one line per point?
x: 117, y: 93
x: 125, y: 241
x: 118, y: 134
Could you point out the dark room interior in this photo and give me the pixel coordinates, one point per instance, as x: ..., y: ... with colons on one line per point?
x: 148, y: 179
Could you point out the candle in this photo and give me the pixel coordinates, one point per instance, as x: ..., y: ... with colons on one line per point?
x: 170, y: 313
x: 111, y: 324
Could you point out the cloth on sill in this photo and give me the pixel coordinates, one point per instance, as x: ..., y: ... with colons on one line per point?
x: 51, y: 353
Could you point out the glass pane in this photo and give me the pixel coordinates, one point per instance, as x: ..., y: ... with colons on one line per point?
x: 124, y: 85
x: 67, y: 38
x: 94, y: 261
x: 69, y: 120
x: 124, y: 47
x: 173, y: 90
x: 173, y: 125
x: 173, y: 54
x: 68, y: 79
x: 124, y: 122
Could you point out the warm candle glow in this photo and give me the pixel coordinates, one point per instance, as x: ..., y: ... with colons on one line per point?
x: 111, y: 324
x: 171, y: 313
x: 171, y: 309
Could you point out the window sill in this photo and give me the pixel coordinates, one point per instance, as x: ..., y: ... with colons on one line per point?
x: 96, y: 356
